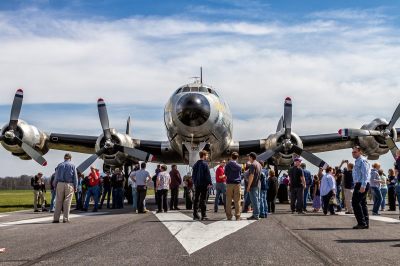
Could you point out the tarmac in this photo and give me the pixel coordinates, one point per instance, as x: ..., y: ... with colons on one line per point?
x: 121, y: 237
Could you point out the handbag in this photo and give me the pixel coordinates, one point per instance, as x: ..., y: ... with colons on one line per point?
x: 333, y: 201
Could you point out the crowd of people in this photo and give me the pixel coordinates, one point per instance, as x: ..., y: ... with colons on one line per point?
x: 344, y: 187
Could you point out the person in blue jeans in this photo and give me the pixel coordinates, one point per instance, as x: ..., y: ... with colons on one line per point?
x: 117, y: 183
x: 93, y: 189
x: 252, y: 187
x: 375, y: 184
x: 384, y: 188
x: 263, y: 194
x: 132, y: 183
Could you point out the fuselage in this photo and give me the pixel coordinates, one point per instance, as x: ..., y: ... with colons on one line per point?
x: 196, y: 114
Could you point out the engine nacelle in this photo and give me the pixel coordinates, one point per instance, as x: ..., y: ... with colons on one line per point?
x: 374, y: 146
x: 30, y: 135
x: 112, y: 157
x: 283, y: 159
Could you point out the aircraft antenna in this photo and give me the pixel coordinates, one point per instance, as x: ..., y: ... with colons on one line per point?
x: 201, y: 75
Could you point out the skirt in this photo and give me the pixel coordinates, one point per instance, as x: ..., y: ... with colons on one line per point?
x: 316, y: 202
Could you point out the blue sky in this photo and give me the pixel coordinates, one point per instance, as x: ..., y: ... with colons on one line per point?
x: 338, y: 60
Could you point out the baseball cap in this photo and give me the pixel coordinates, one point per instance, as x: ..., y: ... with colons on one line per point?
x: 297, y: 159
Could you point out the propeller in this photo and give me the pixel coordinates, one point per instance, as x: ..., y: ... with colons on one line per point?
x: 109, y: 145
x: 11, y: 134
x: 385, y: 133
x: 128, y: 126
x: 285, y: 122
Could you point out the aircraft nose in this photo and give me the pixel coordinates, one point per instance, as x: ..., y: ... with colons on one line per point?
x: 193, y: 109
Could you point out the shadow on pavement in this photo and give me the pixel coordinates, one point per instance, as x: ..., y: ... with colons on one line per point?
x: 368, y: 241
x: 324, y: 229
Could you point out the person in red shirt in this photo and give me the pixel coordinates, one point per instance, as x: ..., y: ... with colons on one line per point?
x: 93, y: 189
x: 220, y: 179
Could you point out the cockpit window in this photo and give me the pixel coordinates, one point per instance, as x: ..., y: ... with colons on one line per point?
x: 194, y: 89
x: 214, y: 92
x: 178, y: 91
x: 186, y: 89
x: 203, y: 89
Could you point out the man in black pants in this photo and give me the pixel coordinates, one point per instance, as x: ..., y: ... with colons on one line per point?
x: 176, y: 181
x: 361, y: 176
x: 202, y: 181
x: 297, y: 185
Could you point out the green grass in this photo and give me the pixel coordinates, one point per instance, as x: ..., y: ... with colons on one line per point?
x: 16, y: 200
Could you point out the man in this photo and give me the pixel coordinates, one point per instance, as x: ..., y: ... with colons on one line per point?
x: 117, y: 184
x: 93, y: 189
x: 233, y: 172
x: 53, y: 192
x: 141, y: 178
x: 328, y: 190
x: 66, y: 181
x: 348, y: 185
x: 106, y: 190
x: 361, y: 176
x: 37, y: 183
x: 220, y: 180
x: 308, y: 178
x: 297, y: 185
x: 176, y: 181
x: 202, y: 182
x: 253, y: 185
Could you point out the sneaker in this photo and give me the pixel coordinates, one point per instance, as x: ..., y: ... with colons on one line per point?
x: 204, y: 218
x: 45, y: 210
x: 177, y: 209
x: 66, y: 221
x: 196, y: 217
x: 36, y: 211
x: 375, y: 214
x: 55, y: 222
x: 348, y: 213
x: 238, y: 218
x: 253, y: 218
x: 360, y: 226
x: 94, y: 210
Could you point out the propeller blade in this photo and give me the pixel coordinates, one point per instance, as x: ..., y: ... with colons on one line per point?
x: 315, y: 160
x: 269, y: 153
x: 135, y: 153
x: 392, y: 146
x: 34, y: 154
x: 280, y: 124
x: 89, y: 161
x: 395, y: 117
x: 354, y: 132
x: 103, y: 115
x: 128, y: 126
x: 16, y: 109
x: 287, y: 117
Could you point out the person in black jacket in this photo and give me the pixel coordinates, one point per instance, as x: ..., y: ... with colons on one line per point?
x: 202, y: 181
x: 37, y: 183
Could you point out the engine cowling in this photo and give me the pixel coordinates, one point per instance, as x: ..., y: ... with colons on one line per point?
x: 285, y: 158
x: 113, y: 157
x: 31, y: 135
x: 375, y: 146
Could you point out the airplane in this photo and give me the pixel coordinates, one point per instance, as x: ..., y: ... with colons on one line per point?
x: 196, y: 117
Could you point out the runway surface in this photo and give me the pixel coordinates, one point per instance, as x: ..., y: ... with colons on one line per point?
x: 120, y: 237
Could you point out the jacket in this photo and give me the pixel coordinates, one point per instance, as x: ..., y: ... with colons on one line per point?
x: 201, y: 174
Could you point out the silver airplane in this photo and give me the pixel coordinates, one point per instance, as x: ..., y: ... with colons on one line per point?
x: 196, y: 118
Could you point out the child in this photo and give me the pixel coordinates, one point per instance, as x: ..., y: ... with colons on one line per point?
x: 316, y: 194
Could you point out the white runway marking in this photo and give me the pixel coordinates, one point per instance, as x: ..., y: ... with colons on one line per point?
x: 47, y: 219
x: 375, y: 218
x: 194, y: 235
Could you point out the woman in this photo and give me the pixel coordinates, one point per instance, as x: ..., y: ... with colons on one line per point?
x: 283, y: 189
x: 162, y: 184
x: 272, y: 191
x: 316, y: 194
x: 375, y: 184
x: 391, y: 190
x: 328, y: 191
x: 384, y: 188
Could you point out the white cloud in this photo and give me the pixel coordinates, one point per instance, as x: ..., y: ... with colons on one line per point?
x: 338, y: 71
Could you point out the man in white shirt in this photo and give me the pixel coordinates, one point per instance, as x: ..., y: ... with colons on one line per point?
x: 141, y: 178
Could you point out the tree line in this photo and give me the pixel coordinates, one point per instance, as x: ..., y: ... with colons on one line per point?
x: 21, y: 182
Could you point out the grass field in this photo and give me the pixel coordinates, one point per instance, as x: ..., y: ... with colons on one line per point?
x: 15, y: 200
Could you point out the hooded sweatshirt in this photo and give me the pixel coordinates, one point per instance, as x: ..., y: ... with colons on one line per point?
x: 233, y: 172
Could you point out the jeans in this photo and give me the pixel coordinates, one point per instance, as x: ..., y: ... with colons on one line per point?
x: 106, y: 191
x: 339, y: 201
x: 118, y: 198
x: 221, y: 189
x: 247, y: 201
x: 200, y: 195
x: 92, y: 191
x: 53, y: 200
x: 255, y: 200
x: 263, y: 203
x: 173, y: 204
x: 296, y: 199
x: 134, y: 199
x: 359, y: 202
x: 376, y: 193
x: 306, y: 193
x: 383, y: 192
x: 326, y: 205
x: 398, y: 195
